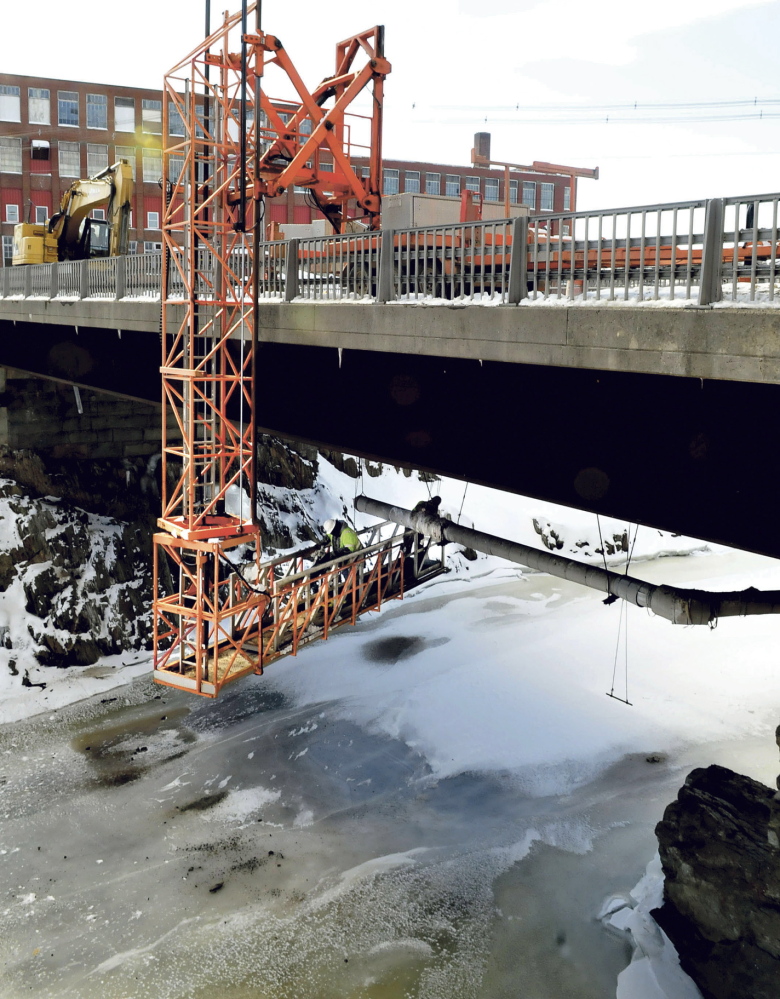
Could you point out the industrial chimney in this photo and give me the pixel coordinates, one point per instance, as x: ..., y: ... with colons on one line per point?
x: 481, y: 151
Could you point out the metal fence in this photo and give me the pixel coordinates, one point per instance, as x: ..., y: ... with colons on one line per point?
x: 698, y: 252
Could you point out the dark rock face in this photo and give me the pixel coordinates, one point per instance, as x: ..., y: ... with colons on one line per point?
x: 722, y: 892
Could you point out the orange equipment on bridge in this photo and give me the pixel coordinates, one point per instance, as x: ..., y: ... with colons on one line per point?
x: 214, y: 602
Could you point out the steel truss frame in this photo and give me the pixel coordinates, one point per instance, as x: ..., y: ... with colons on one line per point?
x: 224, y: 159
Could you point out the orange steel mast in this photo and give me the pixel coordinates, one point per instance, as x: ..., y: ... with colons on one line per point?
x: 230, y: 149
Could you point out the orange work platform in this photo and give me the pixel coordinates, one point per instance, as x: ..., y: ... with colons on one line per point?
x: 228, y: 619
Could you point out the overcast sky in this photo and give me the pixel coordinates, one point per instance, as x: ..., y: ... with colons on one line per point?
x: 478, y: 65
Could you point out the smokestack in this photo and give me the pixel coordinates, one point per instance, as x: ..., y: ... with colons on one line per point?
x: 481, y: 151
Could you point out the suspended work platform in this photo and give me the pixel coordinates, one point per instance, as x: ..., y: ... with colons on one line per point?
x: 225, y: 619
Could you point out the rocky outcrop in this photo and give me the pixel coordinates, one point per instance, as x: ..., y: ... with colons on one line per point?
x: 721, y: 904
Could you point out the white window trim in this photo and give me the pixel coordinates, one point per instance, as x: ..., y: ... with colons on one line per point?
x: 12, y: 213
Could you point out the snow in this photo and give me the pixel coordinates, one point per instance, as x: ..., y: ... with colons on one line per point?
x: 654, y: 971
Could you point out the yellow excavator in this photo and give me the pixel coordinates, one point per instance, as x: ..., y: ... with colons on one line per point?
x: 71, y: 234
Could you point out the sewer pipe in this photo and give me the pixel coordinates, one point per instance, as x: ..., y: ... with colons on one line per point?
x: 676, y: 604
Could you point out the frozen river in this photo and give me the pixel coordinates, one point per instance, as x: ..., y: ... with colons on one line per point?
x: 282, y: 843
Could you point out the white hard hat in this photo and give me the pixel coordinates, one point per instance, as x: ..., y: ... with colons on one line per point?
x: 328, y: 526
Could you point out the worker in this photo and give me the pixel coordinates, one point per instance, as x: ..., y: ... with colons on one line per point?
x: 429, y: 506
x: 342, y: 539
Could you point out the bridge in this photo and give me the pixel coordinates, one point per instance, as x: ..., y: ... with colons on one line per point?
x: 627, y: 362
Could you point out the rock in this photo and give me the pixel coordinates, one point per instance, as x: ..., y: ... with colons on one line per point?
x: 721, y: 904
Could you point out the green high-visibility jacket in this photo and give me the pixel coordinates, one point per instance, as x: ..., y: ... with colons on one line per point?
x: 347, y: 539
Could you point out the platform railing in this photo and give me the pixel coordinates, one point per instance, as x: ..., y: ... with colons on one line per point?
x: 696, y: 252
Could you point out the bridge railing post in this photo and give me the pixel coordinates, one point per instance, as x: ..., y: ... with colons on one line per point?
x: 84, y: 279
x: 6, y: 278
x: 710, y: 281
x: 291, y: 271
x: 120, y: 288
x: 385, y: 290
x: 28, y: 273
x: 518, y: 261
x: 54, y: 280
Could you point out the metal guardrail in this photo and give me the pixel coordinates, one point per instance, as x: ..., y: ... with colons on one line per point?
x: 699, y: 252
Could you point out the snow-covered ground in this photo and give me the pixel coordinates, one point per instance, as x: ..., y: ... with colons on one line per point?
x: 491, y: 669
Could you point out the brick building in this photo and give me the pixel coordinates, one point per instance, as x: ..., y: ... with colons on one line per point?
x: 54, y: 131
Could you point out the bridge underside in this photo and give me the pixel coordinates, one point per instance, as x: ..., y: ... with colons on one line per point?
x: 680, y: 454
x: 686, y: 455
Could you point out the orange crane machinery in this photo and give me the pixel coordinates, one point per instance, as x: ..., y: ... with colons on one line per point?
x: 231, y: 148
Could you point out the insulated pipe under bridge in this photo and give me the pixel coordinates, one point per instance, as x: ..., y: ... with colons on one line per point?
x: 676, y: 604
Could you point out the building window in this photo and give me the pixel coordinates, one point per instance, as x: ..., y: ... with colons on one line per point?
x: 152, y: 220
x: 152, y: 159
x: 68, y: 108
x: 40, y: 154
x: 97, y: 111
x: 151, y: 116
x: 175, y: 120
x: 175, y: 167
x: 99, y: 214
x: 548, y: 193
x: 326, y: 167
x: 391, y: 181
x: 70, y: 159
x: 10, y: 104
x: 124, y: 114
x: 126, y: 153
x: 472, y: 184
x: 41, y: 214
x: 452, y: 185
x: 513, y: 190
x: 38, y: 106
x: 305, y: 127
x: 529, y: 194
x: 97, y: 158
x: 8, y: 250
x: 130, y: 220
x: 365, y: 172
x: 12, y: 213
x: 567, y: 199
x: 132, y: 246
x: 10, y: 155
x: 152, y: 247
x: 491, y: 188
x: 412, y: 181
x: 433, y: 183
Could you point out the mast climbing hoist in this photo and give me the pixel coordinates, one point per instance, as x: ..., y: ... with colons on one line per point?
x: 214, y: 603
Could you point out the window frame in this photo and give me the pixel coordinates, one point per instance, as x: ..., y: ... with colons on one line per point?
x: 128, y: 104
x: 452, y: 180
x: 101, y: 102
x: 12, y: 214
x: 33, y: 95
x: 492, y: 189
x: 12, y: 142
x: 412, y: 177
x: 61, y: 167
x: 68, y: 97
x: 11, y: 92
x: 430, y: 182
x: 391, y: 180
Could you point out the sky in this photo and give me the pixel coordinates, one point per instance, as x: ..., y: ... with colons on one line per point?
x: 464, y: 67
